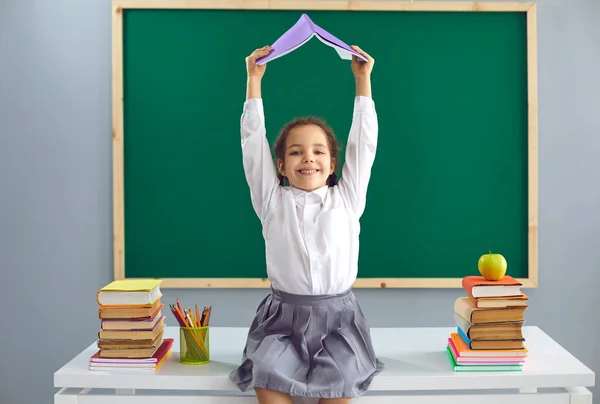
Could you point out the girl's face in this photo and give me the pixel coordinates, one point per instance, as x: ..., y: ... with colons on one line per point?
x: 307, y: 163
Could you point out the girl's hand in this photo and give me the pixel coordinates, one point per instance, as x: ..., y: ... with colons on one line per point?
x: 360, y: 68
x: 252, y: 68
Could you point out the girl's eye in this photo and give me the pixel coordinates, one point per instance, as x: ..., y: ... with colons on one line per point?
x: 295, y: 153
x: 319, y: 152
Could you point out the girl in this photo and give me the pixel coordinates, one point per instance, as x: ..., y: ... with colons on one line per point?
x: 309, y: 337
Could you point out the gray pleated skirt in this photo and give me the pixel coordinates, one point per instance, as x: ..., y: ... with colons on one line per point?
x: 309, y: 346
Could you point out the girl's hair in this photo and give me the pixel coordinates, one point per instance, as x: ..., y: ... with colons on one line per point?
x: 332, y: 141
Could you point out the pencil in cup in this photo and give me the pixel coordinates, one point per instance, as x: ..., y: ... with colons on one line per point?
x: 194, y: 346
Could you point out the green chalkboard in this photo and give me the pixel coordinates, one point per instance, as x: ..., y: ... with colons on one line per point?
x: 451, y: 178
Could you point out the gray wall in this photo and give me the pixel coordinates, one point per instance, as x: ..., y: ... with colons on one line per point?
x: 56, y: 185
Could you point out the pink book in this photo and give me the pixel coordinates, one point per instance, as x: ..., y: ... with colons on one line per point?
x: 481, y: 361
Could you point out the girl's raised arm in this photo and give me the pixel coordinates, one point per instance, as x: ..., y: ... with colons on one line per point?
x: 258, y: 163
x: 362, y: 140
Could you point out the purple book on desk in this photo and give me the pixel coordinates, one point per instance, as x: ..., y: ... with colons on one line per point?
x: 302, y: 31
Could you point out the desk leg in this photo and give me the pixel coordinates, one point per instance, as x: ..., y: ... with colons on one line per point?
x: 580, y: 395
x: 125, y: 392
x: 528, y: 390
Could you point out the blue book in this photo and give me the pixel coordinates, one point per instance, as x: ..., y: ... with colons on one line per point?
x: 501, y: 344
x: 464, y: 337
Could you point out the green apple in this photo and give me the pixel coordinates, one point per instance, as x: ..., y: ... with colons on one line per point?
x: 492, y: 266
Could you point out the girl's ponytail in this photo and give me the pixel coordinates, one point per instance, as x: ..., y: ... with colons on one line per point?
x: 282, y: 180
x: 332, y: 180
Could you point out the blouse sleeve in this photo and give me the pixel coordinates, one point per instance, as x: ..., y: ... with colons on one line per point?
x: 360, y: 154
x: 258, y: 164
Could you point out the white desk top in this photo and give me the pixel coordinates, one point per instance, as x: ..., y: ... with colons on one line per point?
x: 415, y: 359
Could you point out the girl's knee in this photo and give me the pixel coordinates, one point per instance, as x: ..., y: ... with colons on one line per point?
x: 266, y: 396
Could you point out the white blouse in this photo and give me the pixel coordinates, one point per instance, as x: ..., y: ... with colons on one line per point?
x: 311, y: 238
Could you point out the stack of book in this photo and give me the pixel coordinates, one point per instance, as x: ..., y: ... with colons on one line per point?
x: 489, y: 333
x: 131, y: 327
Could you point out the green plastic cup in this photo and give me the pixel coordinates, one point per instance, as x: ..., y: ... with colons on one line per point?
x: 193, y: 345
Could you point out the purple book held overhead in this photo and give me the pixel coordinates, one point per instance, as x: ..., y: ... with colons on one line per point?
x: 302, y: 31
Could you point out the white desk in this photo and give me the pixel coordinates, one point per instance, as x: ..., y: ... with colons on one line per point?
x: 417, y: 372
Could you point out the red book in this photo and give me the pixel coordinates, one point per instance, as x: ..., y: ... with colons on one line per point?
x: 478, y: 286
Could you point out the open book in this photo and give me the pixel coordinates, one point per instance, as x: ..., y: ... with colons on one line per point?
x: 302, y: 31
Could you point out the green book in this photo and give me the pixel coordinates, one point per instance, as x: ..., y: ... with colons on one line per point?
x: 481, y: 368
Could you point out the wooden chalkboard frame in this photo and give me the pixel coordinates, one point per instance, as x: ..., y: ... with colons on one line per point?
x: 117, y: 132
